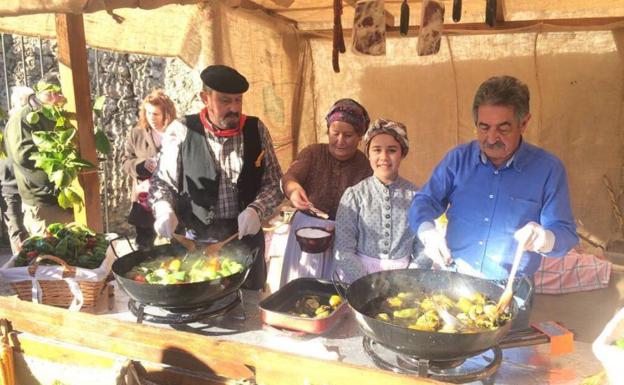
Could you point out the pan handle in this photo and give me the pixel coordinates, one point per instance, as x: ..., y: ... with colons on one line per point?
x: 112, y: 244
x: 340, y: 286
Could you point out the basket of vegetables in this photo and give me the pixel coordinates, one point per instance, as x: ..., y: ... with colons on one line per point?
x: 67, y: 266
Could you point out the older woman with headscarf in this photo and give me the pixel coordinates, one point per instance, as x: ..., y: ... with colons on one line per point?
x: 317, y: 179
x: 372, y: 232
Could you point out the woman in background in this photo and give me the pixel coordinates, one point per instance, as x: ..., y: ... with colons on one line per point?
x: 140, y: 160
x: 372, y: 232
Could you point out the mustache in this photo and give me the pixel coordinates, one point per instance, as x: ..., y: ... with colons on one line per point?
x: 495, y: 146
x: 232, y: 115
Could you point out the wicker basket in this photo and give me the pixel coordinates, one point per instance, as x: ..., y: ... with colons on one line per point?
x: 56, y: 292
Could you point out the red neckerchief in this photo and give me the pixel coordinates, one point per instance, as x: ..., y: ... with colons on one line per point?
x: 220, y: 132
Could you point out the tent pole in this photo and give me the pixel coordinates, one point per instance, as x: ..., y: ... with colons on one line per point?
x: 74, y: 71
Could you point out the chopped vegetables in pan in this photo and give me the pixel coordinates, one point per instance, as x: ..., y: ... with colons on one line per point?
x: 169, y: 270
x: 314, y: 306
x: 476, y: 312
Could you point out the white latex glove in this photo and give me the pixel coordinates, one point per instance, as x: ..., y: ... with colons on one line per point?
x: 435, y: 244
x: 165, y: 219
x: 535, y: 238
x: 248, y: 222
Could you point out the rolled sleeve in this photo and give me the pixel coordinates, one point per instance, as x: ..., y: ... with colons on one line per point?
x: 556, y: 214
x: 270, y: 194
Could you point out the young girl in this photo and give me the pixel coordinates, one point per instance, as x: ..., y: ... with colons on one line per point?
x: 372, y: 232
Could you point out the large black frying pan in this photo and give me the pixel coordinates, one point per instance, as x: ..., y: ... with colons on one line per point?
x: 422, y: 344
x: 185, y: 295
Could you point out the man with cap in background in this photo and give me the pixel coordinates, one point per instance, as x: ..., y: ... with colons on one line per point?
x: 218, y: 172
x: 39, y: 197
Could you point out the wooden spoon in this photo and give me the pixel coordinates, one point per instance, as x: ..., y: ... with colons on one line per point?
x: 507, y: 295
x: 214, y: 248
x: 189, y: 244
x: 318, y: 213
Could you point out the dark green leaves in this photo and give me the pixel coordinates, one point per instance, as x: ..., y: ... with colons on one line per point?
x: 102, y: 144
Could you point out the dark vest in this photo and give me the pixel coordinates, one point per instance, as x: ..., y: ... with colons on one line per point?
x: 198, y: 174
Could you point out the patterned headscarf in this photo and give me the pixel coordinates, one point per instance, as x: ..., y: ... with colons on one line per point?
x: 385, y: 126
x: 349, y: 111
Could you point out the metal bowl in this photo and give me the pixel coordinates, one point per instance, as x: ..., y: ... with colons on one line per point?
x: 314, y: 244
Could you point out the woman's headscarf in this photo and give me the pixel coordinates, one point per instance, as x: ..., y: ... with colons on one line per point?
x: 384, y: 126
x: 349, y: 111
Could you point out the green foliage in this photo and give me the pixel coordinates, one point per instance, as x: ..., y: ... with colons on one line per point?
x: 102, y: 144
x: 58, y: 154
x: 74, y: 243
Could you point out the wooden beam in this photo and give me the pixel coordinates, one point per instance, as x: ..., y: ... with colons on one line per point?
x: 251, y: 5
x: 500, y: 11
x: 189, y: 351
x: 74, y: 72
x: 30, y: 346
x: 583, y: 24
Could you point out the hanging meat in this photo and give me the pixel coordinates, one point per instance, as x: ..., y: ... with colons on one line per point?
x: 490, y: 13
x: 431, y: 25
x: 405, y: 14
x: 369, y: 28
x: 457, y: 10
x: 338, y: 44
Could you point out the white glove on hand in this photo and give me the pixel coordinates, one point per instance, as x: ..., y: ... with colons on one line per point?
x: 165, y: 219
x: 435, y: 244
x: 248, y: 222
x: 535, y: 238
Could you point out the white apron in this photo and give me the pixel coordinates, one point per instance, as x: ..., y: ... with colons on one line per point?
x: 298, y: 264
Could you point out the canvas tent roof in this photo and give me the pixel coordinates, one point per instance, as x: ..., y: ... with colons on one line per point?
x: 165, y: 27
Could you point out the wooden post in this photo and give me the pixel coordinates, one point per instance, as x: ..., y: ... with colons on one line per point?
x: 74, y: 73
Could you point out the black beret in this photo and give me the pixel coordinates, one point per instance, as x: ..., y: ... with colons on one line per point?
x: 224, y: 79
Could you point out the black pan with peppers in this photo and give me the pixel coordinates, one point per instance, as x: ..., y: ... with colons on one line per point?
x: 76, y: 244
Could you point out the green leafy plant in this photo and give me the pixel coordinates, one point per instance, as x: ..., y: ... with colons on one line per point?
x: 102, y: 144
x: 58, y: 154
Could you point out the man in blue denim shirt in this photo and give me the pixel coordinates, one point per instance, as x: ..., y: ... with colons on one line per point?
x: 494, y: 188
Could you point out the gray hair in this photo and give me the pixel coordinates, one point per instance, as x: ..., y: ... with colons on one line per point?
x: 502, y: 91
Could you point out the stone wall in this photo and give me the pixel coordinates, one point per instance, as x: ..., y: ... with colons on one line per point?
x: 124, y: 79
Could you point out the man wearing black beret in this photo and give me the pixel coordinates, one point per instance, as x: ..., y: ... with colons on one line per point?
x: 218, y: 172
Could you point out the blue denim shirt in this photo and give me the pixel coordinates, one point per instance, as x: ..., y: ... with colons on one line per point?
x: 487, y: 205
